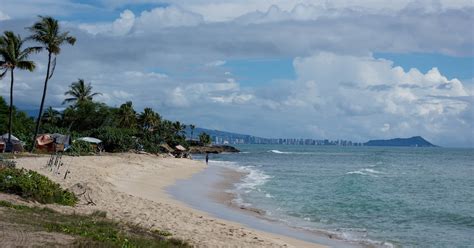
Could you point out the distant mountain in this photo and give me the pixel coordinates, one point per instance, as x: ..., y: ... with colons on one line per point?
x: 416, y: 141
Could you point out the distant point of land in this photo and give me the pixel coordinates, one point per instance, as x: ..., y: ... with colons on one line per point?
x: 416, y: 141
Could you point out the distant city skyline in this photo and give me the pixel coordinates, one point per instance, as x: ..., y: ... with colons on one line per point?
x: 337, y: 70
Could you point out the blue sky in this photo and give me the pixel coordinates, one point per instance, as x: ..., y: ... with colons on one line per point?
x: 279, y: 68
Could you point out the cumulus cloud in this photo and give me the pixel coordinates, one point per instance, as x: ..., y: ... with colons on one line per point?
x: 147, y: 21
x: 3, y: 16
x: 120, y: 26
x: 216, y: 63
x: 377, y: 99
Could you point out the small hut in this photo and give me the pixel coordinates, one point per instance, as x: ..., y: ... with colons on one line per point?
x: 180, y: 152
x: 52, y: 142
x: 17, y: 145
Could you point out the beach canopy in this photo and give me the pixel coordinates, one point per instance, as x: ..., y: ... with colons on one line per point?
x: 180, y: 148
x: 13, y: 138
x: 90, y: 140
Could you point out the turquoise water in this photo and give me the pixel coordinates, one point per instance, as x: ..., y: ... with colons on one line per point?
x: 408, y: 197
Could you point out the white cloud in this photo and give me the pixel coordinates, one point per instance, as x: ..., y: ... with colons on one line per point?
x: 146, y: 22
x: 3, y: 16
x: 120, y: 26
x: 171, y: 16
x: 216, y: 63
x: 377, y: 99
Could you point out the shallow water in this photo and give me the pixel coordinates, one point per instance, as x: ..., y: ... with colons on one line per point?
x: 384, y: 196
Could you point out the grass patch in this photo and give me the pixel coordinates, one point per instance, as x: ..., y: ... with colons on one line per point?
x: 92, y: 230
x: 34, y: 186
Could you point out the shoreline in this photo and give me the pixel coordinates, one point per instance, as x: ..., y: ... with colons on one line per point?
x: 131, y: 189
x: 214, y: 185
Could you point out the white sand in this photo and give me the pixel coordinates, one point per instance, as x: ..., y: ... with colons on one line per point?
x: 130, y: 188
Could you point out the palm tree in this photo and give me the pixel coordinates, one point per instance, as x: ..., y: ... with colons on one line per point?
x: 126, y: 115
x: 192, y: 130
x: 79, y: 92
x: 47, y: 32
x: 149, y: 119
x: 12, y: 56
x: 179, y: 128
x: 51, y: 116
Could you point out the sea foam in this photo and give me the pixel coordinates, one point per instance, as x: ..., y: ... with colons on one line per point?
x: 366, y: 172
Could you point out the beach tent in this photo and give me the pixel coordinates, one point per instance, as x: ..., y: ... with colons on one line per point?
x: 95, y: 143
x: 13, y: 138
x: 17, y: 144
x: 180, y: 152
x: 180, y: 148
x: 90, y: 140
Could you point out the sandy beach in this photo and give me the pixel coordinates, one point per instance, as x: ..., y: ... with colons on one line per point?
x: 131, y: 188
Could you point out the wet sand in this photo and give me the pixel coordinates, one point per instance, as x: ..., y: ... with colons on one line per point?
x: 210, y: 191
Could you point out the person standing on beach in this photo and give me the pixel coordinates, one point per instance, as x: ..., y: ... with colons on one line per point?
x: 207, y: 158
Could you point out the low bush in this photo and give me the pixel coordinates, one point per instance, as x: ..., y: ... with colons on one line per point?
x: 80, y: 147
x: 32, y: 185
x: 116, y: 139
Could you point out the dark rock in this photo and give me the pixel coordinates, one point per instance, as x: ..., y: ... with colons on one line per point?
x: 212, y: 149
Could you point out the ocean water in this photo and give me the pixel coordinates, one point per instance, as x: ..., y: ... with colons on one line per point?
x: 382, y: 196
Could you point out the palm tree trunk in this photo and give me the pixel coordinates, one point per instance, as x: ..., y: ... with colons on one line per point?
x: 11, y: 112
x: 38, y: 120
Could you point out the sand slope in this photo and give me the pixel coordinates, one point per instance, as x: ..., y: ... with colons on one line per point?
x: 130, y: 188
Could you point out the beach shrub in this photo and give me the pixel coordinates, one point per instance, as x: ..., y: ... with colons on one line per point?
x: 80, y: 147
x: 116, y: 139
x: 32, y: 185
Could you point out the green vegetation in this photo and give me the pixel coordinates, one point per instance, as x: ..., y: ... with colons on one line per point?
x: 205, y: 139
x: 80, y: 147
x: 31, y: 185
x: 90, y: 230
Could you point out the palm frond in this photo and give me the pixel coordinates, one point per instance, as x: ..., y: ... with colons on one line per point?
x: 26, y: 65
x: 3, y: 73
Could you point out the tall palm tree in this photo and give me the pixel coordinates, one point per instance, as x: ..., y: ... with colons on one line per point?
x: 179, y: 128
x: 149, y: 119
x: 127, y: 117
x: 12, y: 56
x: 79, y: 92
x: 192, y: 130
x: 47, y: 32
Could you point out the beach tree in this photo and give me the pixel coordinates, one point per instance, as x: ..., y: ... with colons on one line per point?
x: 48, y: 33
x: 127, y: 117
x: 179, y: 128
x: 192, y: 127
x: 204, y: 138
x: 51, y: 116
x: 149, y: 119
x: 79, y: 92
x: 13, y: 55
